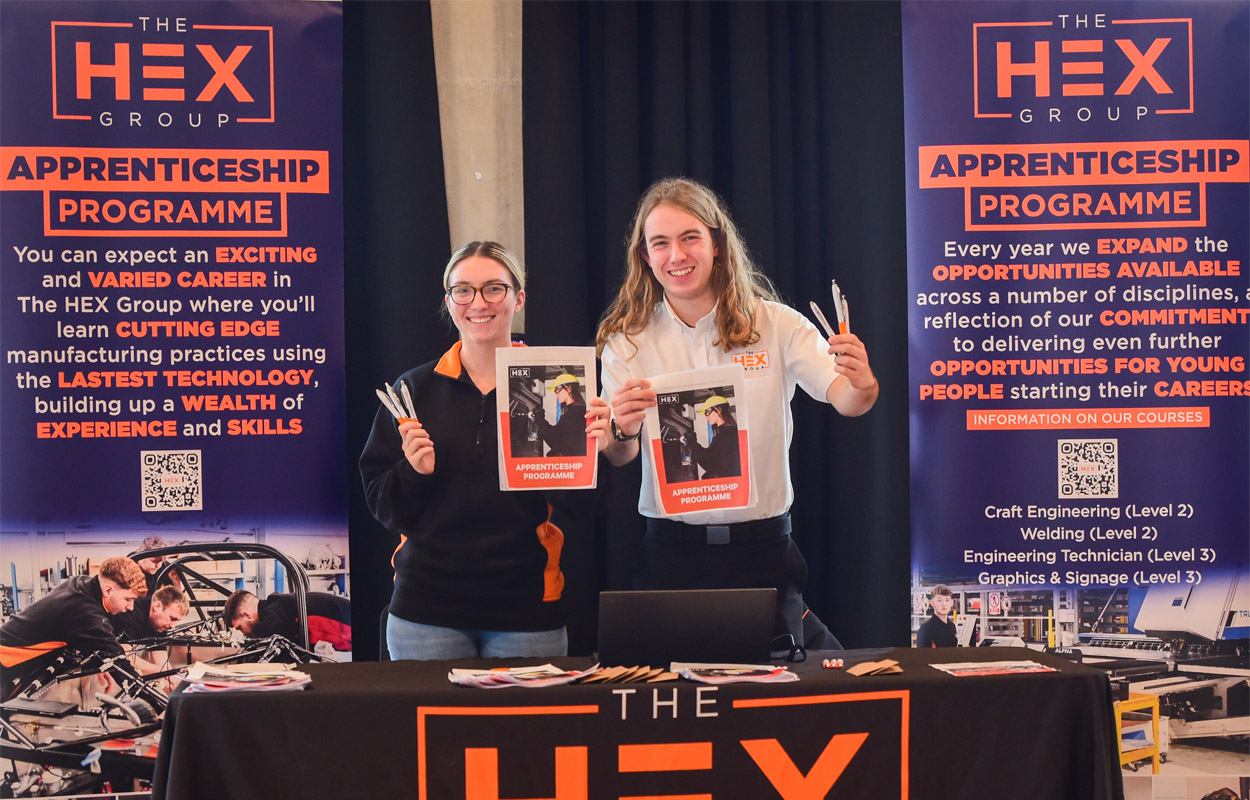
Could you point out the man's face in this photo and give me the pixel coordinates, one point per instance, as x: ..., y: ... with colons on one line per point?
x: 942, y: 604
x: 164, y: 618
x: 680, y: 251
x: 151, y: 565
x: 116, y: 598
x: 245, y: 622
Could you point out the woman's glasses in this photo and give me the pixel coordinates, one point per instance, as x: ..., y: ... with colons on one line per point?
x: 462, y: 294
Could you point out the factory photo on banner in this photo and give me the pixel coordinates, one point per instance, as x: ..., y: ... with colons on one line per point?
x: 172, y: 261
x: 1078, y: 302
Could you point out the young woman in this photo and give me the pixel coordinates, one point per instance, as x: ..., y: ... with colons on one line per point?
x: 477, y: 572
x: 720, y: 459
x: 566, y: 437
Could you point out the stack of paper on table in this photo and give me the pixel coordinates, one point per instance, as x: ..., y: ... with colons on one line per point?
x: 734, y: 673
x: 541, y: 675
x: 203, y: 677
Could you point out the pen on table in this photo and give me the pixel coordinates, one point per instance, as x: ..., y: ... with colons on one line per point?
x: 838, y: 308
x: 820, y: 316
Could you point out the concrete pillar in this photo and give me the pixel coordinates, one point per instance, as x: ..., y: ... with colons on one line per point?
x: 477, y: 58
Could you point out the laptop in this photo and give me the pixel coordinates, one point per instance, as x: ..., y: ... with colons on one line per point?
x: 655, y: 628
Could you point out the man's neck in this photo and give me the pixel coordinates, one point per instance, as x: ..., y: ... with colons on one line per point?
x: 691, y: 311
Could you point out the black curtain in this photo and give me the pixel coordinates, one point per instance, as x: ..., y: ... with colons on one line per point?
x: 397, y: 242
x: 793, y: 112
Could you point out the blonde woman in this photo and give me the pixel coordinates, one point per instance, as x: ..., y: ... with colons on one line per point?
x: 477, y: 572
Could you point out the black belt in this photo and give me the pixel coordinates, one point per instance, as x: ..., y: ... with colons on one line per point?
x: 757, y: 530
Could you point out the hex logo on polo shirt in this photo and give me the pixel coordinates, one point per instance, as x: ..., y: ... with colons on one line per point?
x: 752, y: 360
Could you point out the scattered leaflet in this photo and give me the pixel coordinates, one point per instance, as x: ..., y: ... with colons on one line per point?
x: 886, y: 667
x: 733, y: 673
x: 203, y: 677
x: 541, y: 394
x: 993, y: 668
x: 644, y: 674
x: 541, y: 675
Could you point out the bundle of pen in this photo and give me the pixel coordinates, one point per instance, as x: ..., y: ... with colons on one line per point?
x: 840, y: 307
x: 403, y: 411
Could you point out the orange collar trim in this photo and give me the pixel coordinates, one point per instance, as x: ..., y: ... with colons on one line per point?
x: 450, y: 365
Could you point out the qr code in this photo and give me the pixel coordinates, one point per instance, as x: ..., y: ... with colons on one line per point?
x: 1089, y: 468
x: 172, y: 480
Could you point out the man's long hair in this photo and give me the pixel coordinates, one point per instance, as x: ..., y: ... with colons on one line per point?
x: 735, y: 278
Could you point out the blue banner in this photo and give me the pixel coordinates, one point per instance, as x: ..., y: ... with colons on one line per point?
x: 1078, y: 303
x: 172, y: 256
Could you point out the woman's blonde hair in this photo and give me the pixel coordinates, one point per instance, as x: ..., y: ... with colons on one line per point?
x: 491, y: 250
x: 735, y: 278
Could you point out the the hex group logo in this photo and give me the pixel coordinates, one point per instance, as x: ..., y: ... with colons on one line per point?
x: 162, y: 71
x: 665, y: 742
x: 1082, y: 66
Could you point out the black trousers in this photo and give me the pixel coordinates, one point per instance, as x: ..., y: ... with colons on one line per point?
x: 745, y: 555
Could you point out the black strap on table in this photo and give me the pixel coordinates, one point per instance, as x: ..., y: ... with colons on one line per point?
x: 757, y: 530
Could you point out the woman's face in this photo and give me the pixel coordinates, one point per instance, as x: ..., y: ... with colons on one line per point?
x: 564, y: 395
x: 479, y: 320
x: 715, y: 417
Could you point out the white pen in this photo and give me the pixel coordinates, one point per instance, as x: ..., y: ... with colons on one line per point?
x: 412, y: 411
x: 838, y: 308
x: 386, y: 403
x: 846, y: 312
x: 390, y: 392
x: 820, y: 316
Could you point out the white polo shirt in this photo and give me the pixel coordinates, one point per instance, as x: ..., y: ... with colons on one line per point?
x: 790, y: 352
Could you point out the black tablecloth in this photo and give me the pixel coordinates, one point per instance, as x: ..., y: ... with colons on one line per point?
x: 400, y: 729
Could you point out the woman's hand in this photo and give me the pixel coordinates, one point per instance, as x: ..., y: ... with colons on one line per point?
x: 418, y: 447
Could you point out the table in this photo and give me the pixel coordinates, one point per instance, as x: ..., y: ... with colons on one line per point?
x: 400, y: 729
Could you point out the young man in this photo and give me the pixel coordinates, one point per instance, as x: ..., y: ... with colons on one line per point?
x: 329, y: 617
x: 938, y: 630
x: 75, y: 613
x: 152, y: 615
x: 692, y: 298
x: 153, y: 564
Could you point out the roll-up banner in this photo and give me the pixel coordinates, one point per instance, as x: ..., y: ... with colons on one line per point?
x: 172, y: 256
x: 1078, y: 304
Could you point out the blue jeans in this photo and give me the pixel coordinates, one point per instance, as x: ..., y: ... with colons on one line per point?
x: 414, y: 641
